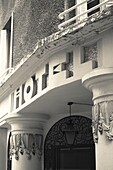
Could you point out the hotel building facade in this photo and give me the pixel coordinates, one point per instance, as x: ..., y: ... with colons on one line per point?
x: 56, y: 81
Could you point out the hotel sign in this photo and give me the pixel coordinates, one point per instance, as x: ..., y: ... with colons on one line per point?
x: 25, y: 92
x: 38, y: 83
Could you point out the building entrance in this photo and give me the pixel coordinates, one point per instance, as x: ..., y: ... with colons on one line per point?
x: 59, y: 154
x: 77, y: 158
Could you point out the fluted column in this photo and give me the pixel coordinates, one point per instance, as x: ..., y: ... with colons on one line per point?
x: 100, y: 83
x: 26, y: 142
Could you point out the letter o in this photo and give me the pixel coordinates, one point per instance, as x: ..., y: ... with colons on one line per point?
x: 28, y: 89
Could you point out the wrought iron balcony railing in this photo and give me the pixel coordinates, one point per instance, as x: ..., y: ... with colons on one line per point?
x: 82, y: 11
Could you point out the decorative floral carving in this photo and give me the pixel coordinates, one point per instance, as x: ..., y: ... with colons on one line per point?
x: 102, y: 119
x: 95, y: 119
x: 29, y: 144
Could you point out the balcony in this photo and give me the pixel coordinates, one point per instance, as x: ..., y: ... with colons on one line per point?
x: 80, y: 12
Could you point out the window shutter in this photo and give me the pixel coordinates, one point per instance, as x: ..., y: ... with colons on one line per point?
x: 3, y: 51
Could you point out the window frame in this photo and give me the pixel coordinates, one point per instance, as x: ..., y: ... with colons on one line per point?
x: 99, y: 52
x: 8, y: 28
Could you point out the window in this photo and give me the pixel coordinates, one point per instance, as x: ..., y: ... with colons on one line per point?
x: 91, y: 4
x: 45, y: 77
x: 90, y: 52
x: 68, y: 66
x: 68, y: 4
x: 6, y: 47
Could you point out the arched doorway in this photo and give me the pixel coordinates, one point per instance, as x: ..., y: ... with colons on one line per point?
x: 59, y: 155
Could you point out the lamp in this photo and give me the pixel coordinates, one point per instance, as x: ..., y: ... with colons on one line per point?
x: 69, y: 131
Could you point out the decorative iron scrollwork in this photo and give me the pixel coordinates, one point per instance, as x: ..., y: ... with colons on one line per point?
x: 56, y: 138
x: 29, y: 144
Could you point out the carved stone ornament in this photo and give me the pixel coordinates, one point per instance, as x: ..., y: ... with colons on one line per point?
x: 95, y: 120
x: 29, y: 144
x: 102, y: 120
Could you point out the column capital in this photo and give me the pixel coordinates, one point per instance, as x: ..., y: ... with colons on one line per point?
x: 100, y: 83
x: 27, y: 135
x: 26, y: 122
x: 26, y: 144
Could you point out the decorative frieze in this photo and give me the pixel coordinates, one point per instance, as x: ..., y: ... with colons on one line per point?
x: 102, y: 120
x: 28, y: 144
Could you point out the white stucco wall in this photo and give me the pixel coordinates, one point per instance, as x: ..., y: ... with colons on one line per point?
x: 107, y: 48
x: 104, y: 151
x: 5, y: 106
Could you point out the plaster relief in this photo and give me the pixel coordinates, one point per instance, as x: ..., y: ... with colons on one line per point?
x: 28, y: 144
x: 102, y: 120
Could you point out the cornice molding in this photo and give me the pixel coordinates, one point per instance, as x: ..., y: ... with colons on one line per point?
x: 98, y: 75
x: 99, y: 82
x: 27, y: 123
